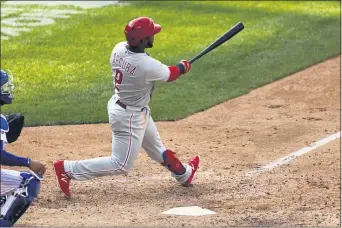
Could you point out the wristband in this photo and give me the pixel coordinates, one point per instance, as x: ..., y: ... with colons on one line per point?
x: 28, y: 162
x: 181, y: 67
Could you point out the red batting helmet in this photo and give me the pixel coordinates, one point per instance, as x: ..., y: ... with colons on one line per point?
x: 140, y: 28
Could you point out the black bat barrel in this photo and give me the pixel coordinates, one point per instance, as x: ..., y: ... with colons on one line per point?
x: 228, y: 35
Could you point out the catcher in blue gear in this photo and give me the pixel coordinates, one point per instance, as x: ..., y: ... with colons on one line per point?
x: 18, y: 189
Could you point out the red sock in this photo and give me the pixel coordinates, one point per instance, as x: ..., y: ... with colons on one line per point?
x: 172, y: 163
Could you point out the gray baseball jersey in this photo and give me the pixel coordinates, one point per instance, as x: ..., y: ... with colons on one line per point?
x: 134, y: 75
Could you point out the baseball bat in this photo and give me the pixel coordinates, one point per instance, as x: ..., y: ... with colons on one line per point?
x: 228, y: 35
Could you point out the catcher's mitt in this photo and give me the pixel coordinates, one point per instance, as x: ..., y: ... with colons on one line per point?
x: 16, y: 124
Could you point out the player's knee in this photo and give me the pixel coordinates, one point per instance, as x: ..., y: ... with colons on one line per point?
x: 122, y: 167
x: 126, y: 168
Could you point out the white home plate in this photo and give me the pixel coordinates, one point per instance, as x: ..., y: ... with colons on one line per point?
x: 189, y: 211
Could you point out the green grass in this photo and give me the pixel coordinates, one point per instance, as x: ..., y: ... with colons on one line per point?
x: 62, y: 73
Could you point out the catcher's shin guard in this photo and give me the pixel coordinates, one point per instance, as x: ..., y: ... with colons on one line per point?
x: 15, y: 205
x: 173, y: 163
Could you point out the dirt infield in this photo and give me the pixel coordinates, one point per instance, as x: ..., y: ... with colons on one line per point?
x: 232, y: 139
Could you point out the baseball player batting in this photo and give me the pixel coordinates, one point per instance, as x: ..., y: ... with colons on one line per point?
x: 18, y: 189
x: 134, y: 76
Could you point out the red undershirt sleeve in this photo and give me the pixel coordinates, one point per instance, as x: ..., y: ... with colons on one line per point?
x: 174, y: 73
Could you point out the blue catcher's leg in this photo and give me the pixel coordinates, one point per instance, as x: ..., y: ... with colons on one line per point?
x: 15, y: 205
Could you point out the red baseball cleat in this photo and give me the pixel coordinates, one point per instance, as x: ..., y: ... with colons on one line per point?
x: 62, y: 177
x: 194, y: 166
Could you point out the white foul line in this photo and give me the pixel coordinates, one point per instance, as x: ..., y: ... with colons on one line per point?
x: 293, y: 155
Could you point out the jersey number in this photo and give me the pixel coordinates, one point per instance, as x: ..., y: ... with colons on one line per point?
x: 118, y: 78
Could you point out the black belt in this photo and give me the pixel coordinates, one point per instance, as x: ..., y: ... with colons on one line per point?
x: 122, y: 105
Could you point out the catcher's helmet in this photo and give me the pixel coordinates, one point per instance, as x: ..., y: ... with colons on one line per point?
x: 7, y: 87
x: 140, y: 28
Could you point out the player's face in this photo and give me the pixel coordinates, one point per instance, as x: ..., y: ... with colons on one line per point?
x: 150, y: 41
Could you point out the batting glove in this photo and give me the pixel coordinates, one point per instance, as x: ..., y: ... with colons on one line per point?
x: 184, y: 66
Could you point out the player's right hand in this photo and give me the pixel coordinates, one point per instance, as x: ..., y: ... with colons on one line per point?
x: 37, y: 167
x: 186, y: 65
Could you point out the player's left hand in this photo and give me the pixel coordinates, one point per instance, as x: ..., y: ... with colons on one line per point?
x: 187, y: 66
x: 37, y: 167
